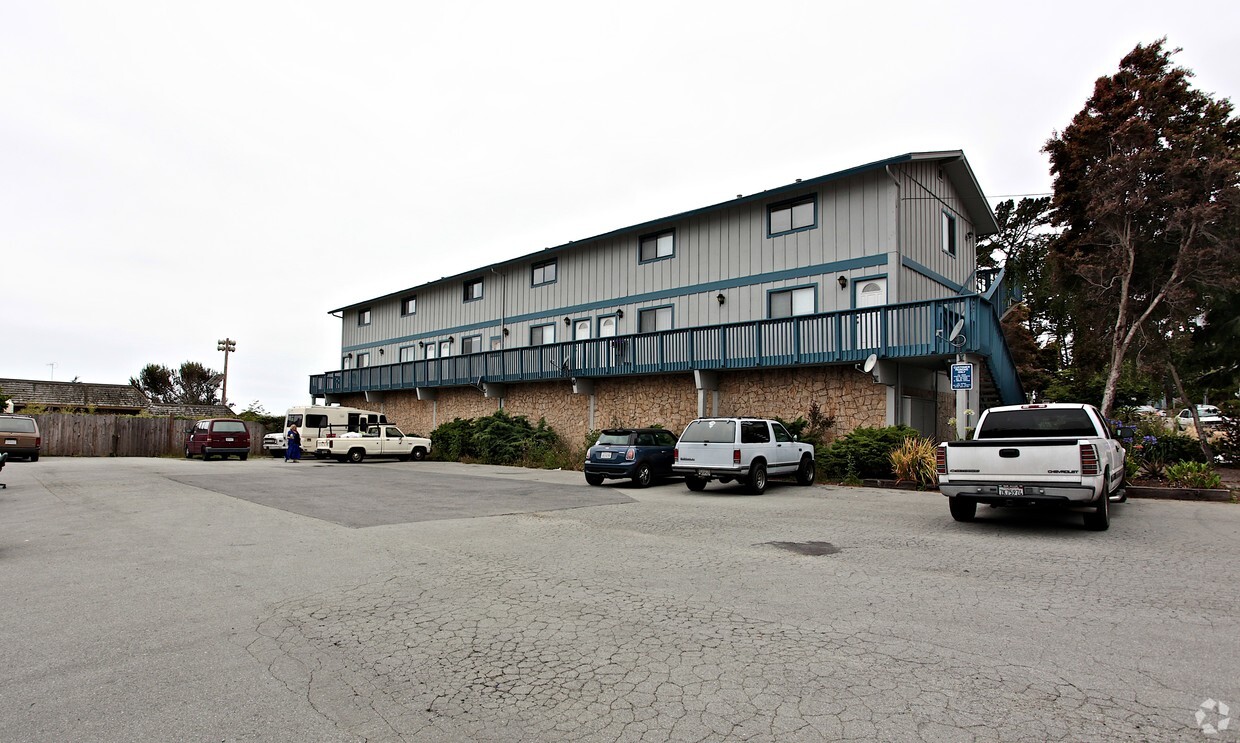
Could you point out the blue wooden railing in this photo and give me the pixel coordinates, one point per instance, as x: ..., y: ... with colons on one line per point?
x: 906, y: 330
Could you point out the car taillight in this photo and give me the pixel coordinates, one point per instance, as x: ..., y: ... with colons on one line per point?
x: 676, y: 454
x: 631, y: 454
x: 1089, y: 460
x: 736, y: 457
x: 940, y: 460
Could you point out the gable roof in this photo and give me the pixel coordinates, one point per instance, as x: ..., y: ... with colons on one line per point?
x: 953, y: 162
x: 106, y: 397
x: 74, y: 394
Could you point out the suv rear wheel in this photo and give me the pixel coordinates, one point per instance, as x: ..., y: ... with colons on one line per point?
x: 757, y: 477
x: 695, y: 483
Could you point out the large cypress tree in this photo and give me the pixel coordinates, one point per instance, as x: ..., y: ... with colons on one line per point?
x: 1147, y: 192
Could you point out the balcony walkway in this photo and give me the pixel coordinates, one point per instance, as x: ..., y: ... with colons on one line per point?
x: 899, y: 331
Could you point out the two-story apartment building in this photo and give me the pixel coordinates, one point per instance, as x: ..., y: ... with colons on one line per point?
x: 760, y: 305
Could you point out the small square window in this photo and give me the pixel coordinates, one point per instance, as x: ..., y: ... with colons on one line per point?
x: 409, y: 305
x: 791, y: 216
x: 541, y: 335
x: 607, y: 326
x: 471, y: 344
x: 430, y: 350
x: 408, y: 353
x: 790, y: 302
x: 445, y: 349
x: 543, y: 273
x: 949, y: 234
x: 473, y: 290
x: 654, y: 320
x: 581, y: 330
x: 363, y: 360
x: 497, y: 343
x: 657, y: 246
x: 363, y: 316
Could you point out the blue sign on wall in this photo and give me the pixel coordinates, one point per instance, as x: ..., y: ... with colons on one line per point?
x: 962, y: 376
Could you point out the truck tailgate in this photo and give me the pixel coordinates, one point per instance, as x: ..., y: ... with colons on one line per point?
x: 1053, y: 460
x: 705, y: 455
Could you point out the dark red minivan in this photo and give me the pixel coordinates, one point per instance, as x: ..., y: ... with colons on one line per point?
x: 218, y: 436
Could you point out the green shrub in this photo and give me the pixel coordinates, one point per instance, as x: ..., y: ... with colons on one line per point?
x: 913, y: 461
x: 1193, y: 475
x: 864, y: 452
x: 500, y: 438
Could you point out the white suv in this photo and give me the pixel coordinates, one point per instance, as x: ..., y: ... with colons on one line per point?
x: 745, y: 449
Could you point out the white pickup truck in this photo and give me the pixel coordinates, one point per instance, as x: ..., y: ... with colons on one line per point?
x: 1051, y: 454
x: 745, y: 449
x: 378, y: 441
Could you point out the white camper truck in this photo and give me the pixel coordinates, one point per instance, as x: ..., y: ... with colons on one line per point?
x: 319, y: 421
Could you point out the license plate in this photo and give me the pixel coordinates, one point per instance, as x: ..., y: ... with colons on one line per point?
x: 229, y: 440
x: 703, y: 473
x: 10, y: 442
x: 604, y: 455
x: 1011, y: 491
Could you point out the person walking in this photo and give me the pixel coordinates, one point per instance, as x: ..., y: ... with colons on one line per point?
x: 292, y: 451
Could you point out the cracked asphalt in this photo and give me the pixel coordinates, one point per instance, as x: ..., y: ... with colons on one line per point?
x: 149, y: 599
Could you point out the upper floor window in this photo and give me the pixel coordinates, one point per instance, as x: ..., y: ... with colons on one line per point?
x: 473, y: 290
x: 543, y: 273
x: 409, y: 305
x: 654, y: 320
x: 363, y: 316
x: 431, y: 350
x: 790, y: 216
x: 541, y: 335
x: 657, y: 246
x: 497, y: 343
x: 949, y: 234
x: 789, y: 302
x: 581, y: 329
x: 471, y: 344
x: 445, y: 349
x: 407, y: 354
x: 607, y: 326
x: 363, y: 360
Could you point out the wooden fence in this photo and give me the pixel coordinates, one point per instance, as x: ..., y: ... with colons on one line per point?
x: 66, y: 435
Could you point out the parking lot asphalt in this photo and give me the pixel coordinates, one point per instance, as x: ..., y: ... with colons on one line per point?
x: 162, y: 599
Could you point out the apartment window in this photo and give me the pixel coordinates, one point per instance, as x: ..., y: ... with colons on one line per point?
x: 497, y: 343
x: 346, y: 362
x: 409, y: 305
x: 408, y: 354
x: 473, y: 290
x: 949, y: 234
x: 607, y: 326
x: 581, y: 330
x: 471, y: 344
x: 541, y: 335
x: 430, y: 351
x: 654, y: 320
x: 543, y: 273
x: 445, y: 349
x: 363, y: 360
x: 363, y: 316
x: 658, y: 246
x: 789, y: 302
x: 791, y: 216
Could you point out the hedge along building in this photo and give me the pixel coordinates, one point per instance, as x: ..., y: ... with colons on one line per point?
x: 853, y: 290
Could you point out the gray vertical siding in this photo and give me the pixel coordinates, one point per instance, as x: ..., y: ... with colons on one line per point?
x: 864, y: 216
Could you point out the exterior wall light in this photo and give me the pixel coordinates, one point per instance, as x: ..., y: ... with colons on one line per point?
x: 720, y: 298
x: 843, y: 281
x: 619, y: 313
x: 568, y: 321
x: 380, y: 351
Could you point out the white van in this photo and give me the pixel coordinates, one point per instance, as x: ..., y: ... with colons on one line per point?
x: 319, y: 421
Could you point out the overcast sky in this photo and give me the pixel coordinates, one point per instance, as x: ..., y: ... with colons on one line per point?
x: 176, y: 173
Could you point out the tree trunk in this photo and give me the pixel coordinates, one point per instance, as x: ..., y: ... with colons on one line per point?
x: 1192, y: 408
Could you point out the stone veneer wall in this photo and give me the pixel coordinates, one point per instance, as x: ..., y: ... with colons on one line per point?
x: 669, y: 400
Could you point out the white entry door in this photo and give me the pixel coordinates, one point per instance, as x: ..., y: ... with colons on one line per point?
x: 870, y: 293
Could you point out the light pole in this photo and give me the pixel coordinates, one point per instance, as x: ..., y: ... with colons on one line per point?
x: 228, y: 345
